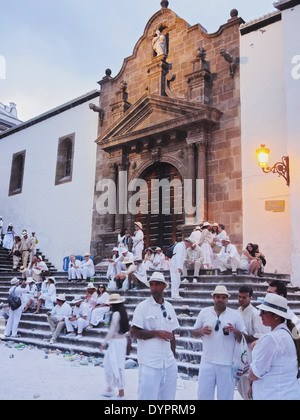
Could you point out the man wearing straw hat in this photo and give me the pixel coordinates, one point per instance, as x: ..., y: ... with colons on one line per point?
x: 219, y: 327
x: 56, y: 318
x: 153, y: 325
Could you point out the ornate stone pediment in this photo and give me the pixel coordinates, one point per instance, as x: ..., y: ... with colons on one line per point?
x: 153, y: 115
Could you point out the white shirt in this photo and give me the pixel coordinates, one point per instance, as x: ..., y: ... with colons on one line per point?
x: 218, y: 348
x: 275, y: 364
x: 229, y: 251
x: 148, y: 315
x: 252, y: 320
x: 61, y: 312
x: 178, y: 258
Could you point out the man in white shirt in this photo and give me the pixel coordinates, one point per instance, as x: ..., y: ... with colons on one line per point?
x: 194, y: 259
x: 176, y: 265
x: 158, y: 261
x: 56, y: 318
x: 228, y: 258
x: 254, y: 327
x: 219, y: 327
x: 87, y: 268
x: 153, y: 325
x: 15, y: 315
x: 80, y: 318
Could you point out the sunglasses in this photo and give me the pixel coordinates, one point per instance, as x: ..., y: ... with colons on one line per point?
x: 164, y: 311
x: 217, y: 327
x: 264, y: 312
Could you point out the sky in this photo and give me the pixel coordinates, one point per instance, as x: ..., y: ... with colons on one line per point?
x: 52, y: 51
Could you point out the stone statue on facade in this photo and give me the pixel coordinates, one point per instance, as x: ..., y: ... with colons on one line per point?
x: 159, y: 43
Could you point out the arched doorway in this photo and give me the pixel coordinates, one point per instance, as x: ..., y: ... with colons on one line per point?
x: 161, y: 228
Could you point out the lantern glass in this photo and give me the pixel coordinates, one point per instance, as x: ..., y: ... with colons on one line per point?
x: 263, y: 156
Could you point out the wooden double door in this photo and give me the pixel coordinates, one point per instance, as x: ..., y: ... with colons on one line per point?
x: 161, y: 225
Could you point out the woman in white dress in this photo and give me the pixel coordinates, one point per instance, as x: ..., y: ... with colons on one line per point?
x: 98, y: 313
x: 276, y: 356
x: 249, y: 262
x: 47, y: 295
x: 8, y: 241
x: 138, y: 241
x: 115, y: 356
x: 205, y: 244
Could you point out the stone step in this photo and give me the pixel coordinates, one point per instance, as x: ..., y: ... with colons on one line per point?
x: 34, y: 329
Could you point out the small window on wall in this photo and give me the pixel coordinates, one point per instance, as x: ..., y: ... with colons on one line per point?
x: 17, y: 173
x: 65, y: 156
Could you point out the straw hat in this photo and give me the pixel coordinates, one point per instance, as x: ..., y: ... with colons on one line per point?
x: 77, y: 300
x: 221, y: 290
x: 157, y: 276
x: 127, y: 261
x: 226, y: 239
x: 139, y: 225
x: 275, y: 304
x: 91, y: 286
x: 114, y: 299
x: 14, y: 281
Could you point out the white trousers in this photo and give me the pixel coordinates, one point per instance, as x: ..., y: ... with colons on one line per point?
x: 195, y: 266
x: 223, y: 265
x: 212, y: 376
x: 157, y: 384
x: 86, y: 272
x: 80, y: 325
x: 13, y: 322
x: 175, y: 281
x: 74, y: 273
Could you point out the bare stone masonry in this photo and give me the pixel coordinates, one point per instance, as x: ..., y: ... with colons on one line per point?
x: 174, y: 104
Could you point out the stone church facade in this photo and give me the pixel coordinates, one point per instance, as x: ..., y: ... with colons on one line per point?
x: 173, y: 113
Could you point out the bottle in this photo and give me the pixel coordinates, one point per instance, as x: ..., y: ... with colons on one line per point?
x: 107, y: 319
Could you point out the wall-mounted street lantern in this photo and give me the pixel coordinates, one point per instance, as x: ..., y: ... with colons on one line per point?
x: 281, y: 168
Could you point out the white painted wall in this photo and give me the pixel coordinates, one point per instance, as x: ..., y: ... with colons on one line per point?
x: 291, y: 40
x: 264, y: 121
x: 60, y: 215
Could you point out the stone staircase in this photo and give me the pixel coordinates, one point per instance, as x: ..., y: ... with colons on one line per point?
x: 34, y: 329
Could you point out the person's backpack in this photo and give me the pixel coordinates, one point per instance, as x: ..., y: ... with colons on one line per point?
x: 170, y: 251
x: 14, y: 301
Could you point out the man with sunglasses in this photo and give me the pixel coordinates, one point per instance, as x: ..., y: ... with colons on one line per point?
x: 153, y: 325
x: 219, y: 327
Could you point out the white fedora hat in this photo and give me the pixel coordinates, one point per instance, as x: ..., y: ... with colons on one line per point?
x: 139, y: 224
x: 157, y: 276
x: 115, y: 299
x: 221, y: 290
x: 226, y: 239
x: 275, y: 304
x: 14, y: 281
x: 61, y: 297
x: 77, y: 300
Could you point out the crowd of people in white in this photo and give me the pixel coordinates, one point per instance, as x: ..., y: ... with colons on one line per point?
x: 208, y: 247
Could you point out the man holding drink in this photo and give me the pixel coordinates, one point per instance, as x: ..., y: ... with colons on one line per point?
x: 219, y: 327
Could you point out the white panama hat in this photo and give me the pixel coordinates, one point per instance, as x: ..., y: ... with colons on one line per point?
x: 157, y: 276
x: 275, y: 304
x: 115, y: 299
x: 221, y: 290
